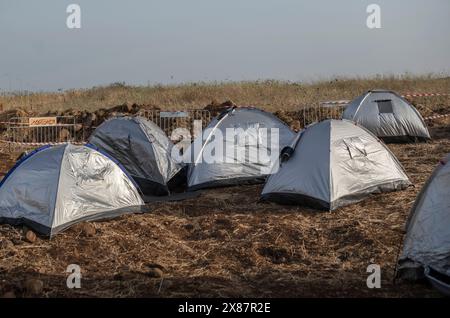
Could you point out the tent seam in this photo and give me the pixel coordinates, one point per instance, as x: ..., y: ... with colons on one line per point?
x: 331, y: 185
x: 360, y: 104
x: 152, y: 144
x: 209, y: 137
x: 57, y: 190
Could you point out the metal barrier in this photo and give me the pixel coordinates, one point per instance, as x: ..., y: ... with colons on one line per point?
x: 22, y: 133
x: 309, y: 115
x: 168, y: 121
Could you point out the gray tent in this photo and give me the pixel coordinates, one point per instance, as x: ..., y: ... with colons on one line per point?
x: 427, y: 241
x: 142, y: 148
x: 54, y: 187
x: 388, y: 116
x: 256, y: 129
x: 334, y: 163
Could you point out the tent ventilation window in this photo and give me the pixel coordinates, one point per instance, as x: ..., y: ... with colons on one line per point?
x: 385, y: 106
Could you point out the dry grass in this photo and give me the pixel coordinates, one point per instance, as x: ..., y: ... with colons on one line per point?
x: 269, y: 95
x: 226, y: 243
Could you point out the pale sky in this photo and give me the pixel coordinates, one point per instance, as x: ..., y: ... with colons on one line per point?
x: 175, y: 41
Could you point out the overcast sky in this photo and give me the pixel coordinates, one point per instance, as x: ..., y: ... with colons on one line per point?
x: 174, y: 41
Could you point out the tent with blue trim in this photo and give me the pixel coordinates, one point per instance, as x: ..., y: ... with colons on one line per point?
x: 143, y: 149
x: 54, y: 187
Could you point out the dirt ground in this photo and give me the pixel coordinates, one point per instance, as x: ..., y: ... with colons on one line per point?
x: 225, y: 243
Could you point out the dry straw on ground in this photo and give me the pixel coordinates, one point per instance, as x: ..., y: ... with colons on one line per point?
x: 226, y: 243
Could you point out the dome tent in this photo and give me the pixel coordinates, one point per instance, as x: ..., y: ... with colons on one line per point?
x: 388, y: 116
x: 426, y: 248
x: 54, y: 187
x: 332, y: 164
x: 256, y: 128
x: 142, y: 148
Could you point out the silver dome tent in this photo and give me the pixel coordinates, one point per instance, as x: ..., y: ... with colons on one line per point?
x: 54, y: 187
x: 426, y: 248
x: 142, y: 148
x: 388, y: 116
x: 256, y: 132
x: 332, y: 164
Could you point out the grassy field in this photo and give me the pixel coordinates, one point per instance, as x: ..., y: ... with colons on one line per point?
x: 269, y: 95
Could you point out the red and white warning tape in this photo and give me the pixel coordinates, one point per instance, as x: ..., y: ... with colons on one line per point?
x: 424, y: 94
x: 436, y: 117
x: 345, y: 101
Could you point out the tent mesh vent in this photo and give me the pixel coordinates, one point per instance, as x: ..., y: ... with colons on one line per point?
x: 385, y: 106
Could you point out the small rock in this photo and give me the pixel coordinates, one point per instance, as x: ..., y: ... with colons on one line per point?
x: 155, y: 272
x: 228, y: 103
x: 88, y: 229
x: 151, y: 265
x: 189, y: 227
x: 194, y: 226
x: 220, y: 234
x: 33, y: 286
x: 30, y: 236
